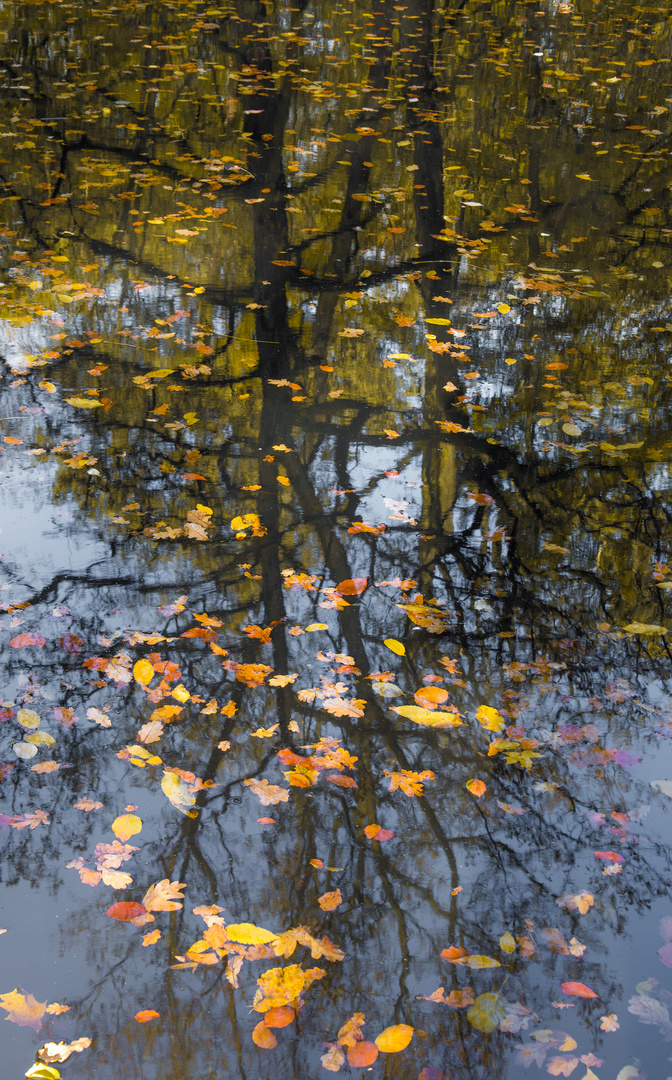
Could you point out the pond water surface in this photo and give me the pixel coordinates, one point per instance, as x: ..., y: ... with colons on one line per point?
x: 336, y: 525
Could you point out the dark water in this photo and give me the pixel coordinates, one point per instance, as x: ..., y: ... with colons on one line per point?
x: 390, y: 285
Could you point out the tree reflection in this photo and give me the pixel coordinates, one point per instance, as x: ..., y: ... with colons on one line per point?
x: 230, y: 200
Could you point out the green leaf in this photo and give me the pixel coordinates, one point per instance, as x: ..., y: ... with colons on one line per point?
x: 486, y: 1013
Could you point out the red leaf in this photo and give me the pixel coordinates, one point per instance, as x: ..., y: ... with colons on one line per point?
x: 362, y: 1054
x: 578, y: 989
x: 21, y: 641
x: 126, y: 910
x: 610, y: 856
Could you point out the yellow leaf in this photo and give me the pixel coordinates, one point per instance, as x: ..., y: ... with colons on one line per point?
x: 125, y: 826
x: 507, y: 943
x: 438, y: 322
x: 143, y: 672
x: 428, y: 717
x: 644, y: 628
x: 503, y: 309
x: 479, y: 963
x: 246, y: 933
x: 395, y: 1038
x: 583, y: 176
x: 175, y: 789
x: 28, y: 718
x: 84, y: 402
x: 395, y: 646
x: 490, y: 719
x: 180, y: 693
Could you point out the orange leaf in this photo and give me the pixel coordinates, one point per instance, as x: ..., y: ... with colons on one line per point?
x: 143, y: 672
x: 395, y: 1038
x: 430, y: 696
x: 263, y: 1036
x: 330, y: 900
x: 351, y: 586
x: 145, y: 1015
x: 374, y: 832
x: 362, y: 1054
x: 476, y: 787
x: 165, y: 895
x: 454, y: 953
x: 578, y: 989
x: 279, y: 1017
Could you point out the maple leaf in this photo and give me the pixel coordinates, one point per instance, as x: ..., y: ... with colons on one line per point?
x: 267, y: 793
x: 333, y: 1058
x: 23, y: 1009
x: 581, y: 901
x: 251, y: 675
x: 282, y: 986
x: 262, y: 634
x: 411, y: 783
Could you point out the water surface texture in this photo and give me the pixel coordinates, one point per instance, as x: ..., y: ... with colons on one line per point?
x: 335, y: 568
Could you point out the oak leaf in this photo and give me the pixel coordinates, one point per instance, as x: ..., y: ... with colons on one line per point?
x: 165, y: 895
x: 329, y: 901
x: 268, y: 794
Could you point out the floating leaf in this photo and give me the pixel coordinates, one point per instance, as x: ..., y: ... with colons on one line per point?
x: 490, y: 719
x: 395, y: 646
x: 476, y: 787
x: 143, y: 672
x: 84, y: 402
x: 23, y: 1009
x: 165, y: 895
x: 329, y: 901
x: 395, y: 1038
x: 126, y: 826
x: 428, y: 717
x: 177, y: 791
x: 486, y: 1013
x: 362, y: 1054
x: 263, y: 1037
x: 146, y: 1015
x: 126, y: 911
x: 507, y: 943
x: 248, y: 934
x: 578, y: 989
x: 279, y: 1017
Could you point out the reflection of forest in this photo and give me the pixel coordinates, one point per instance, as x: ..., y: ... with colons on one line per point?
x: 330, y: 266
